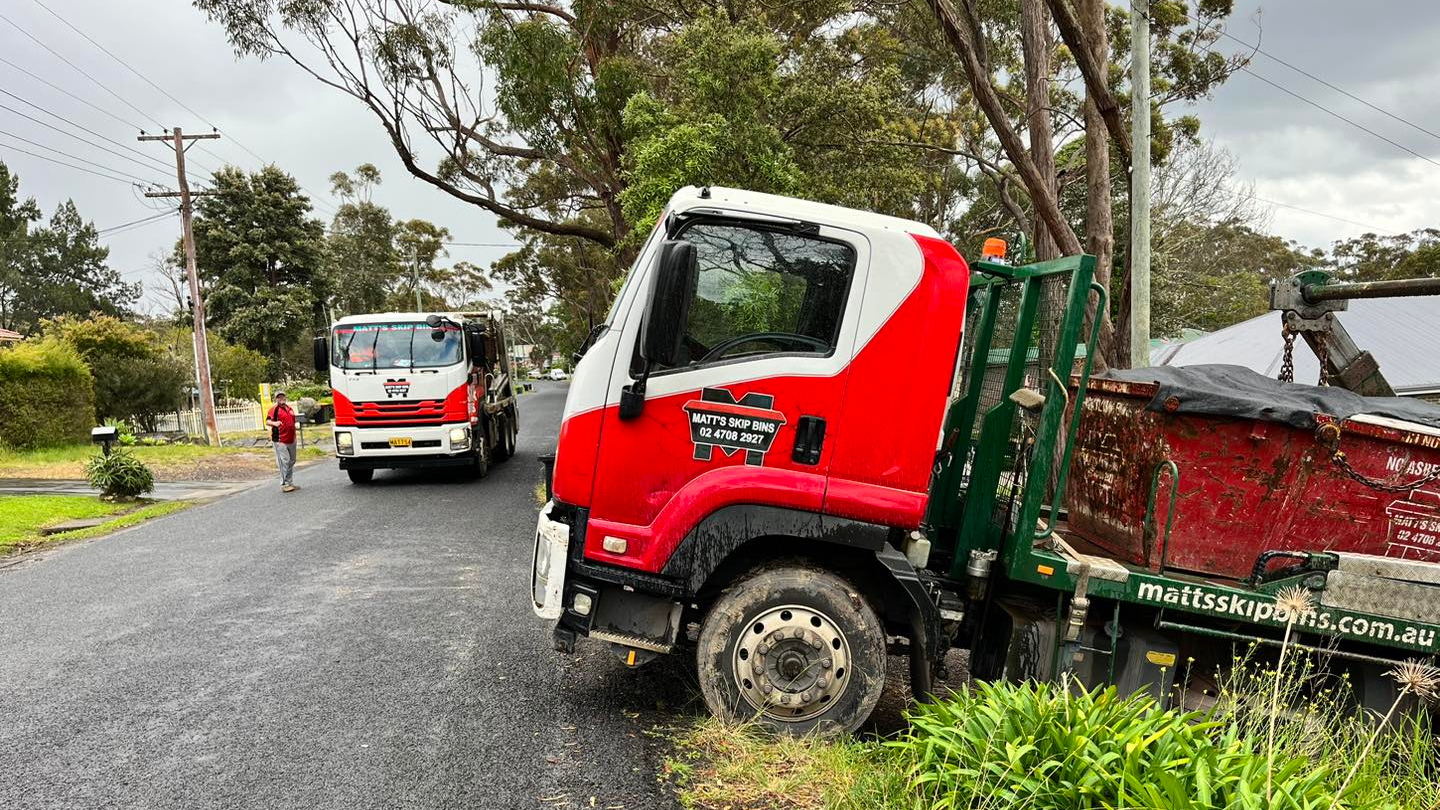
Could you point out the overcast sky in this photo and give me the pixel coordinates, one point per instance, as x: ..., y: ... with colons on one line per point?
x: 1295, y: 154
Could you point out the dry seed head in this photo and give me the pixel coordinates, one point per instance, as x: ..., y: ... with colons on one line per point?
x: 1417, y: 678
x: 1294, y: 602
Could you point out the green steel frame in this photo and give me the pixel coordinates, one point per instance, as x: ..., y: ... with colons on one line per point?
x: 970, y: 479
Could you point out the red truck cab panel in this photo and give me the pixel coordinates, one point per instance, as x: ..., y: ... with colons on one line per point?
x: 820, y: 352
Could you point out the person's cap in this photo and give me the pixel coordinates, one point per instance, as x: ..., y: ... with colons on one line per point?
x: 279, y: 394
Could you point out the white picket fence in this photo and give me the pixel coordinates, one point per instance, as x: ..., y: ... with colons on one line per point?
x: 229, y: 420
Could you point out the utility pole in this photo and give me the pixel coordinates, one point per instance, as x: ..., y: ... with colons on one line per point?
x: 1140, y: 184
x: 415, y: 271
x: 202, y: 350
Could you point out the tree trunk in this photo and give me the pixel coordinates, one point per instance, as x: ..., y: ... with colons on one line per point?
x: 1099, y: 215
x: 1036, y: 44
x: 958, y: 34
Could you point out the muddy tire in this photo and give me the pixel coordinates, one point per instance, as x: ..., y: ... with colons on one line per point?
x: 360, y: 476
x: 505, y: 447
x: 795, y: 649
x: 480, y: 462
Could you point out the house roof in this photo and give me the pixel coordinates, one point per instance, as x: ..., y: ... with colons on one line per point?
x: 7, y: 336
x: 1402, y: 333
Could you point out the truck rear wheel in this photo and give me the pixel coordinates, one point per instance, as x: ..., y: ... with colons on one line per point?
x: 796, y: 649
x: 360, y: 476
x: 480, y: 465
x: 505, y: 446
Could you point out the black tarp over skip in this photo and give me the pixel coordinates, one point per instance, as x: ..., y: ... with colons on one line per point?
x: 1222, y: 390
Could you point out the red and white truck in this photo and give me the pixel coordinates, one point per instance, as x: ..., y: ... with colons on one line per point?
x: 417, y: 389
x: 779, y: 453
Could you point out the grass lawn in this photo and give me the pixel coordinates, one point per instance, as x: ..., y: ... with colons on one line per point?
x: 170, y: 462
x: 22, y: 517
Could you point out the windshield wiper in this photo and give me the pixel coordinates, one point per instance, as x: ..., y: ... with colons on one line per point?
x: 412, y: 350
x: 589, y: 341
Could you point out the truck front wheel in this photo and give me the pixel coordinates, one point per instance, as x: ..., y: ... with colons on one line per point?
x: 796, y: 649
x: 360, y: 476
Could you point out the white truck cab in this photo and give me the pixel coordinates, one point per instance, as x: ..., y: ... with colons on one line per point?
x: 418, y: 389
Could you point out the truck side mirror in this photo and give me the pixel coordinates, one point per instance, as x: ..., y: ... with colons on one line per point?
x: 663, y: 331
x: 321, y: 347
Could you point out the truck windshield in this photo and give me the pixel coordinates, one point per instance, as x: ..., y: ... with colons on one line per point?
x: 395, y: 345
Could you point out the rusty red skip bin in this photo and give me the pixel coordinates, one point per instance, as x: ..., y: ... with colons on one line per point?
x: 1246, y: 486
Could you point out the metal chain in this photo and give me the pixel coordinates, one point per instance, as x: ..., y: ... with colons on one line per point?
x: 1287, y: 365
x: 1374, y: 483
x: 1322, y: 351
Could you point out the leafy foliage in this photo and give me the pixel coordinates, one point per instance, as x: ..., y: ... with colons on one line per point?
x: 53, y: 270
x: 46, y: 395
x: 119, y: 475
x: 135, y: 377
x: 259, y: 254
x: 1041, y: 745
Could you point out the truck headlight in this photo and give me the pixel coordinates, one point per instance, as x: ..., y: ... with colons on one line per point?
x: 459, y: 438
x: 344, y: 443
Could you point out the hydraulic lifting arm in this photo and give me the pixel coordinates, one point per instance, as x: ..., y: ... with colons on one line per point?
x: 1308, y: 302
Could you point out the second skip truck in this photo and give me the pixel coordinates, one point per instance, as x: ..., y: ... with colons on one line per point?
x: 419, y: 389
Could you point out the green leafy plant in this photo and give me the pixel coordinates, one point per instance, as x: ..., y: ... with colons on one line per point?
x: 1041, y: 745
x: 119, y: 475
x: 124, y: 432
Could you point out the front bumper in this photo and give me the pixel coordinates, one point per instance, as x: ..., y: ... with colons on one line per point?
x: 426, y: 442
x: 552, y: 545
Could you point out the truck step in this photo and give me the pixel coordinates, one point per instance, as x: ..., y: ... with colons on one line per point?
x: 631, y: 640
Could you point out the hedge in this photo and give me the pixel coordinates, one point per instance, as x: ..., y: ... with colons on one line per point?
x: 47, y: 396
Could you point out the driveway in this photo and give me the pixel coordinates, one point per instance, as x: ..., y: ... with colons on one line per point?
x: 342, y: 646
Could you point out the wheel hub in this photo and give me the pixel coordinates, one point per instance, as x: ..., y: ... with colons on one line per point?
x: 791, y: 662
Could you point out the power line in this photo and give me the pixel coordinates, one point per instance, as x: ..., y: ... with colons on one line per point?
x: 81, y: 127
x: 77, y: 69
x: 60, y: 89
x: 32, y: 119
x: 314, y: 197
x: 63, y: 163
x: 141, y: 221
x: 1331, y: 112
x: 111, y: 169
x: 1255, y: 47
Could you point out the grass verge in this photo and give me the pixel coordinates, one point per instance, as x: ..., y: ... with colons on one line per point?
x: 170, y: 462
x: 1043, y: 747
x: 23, y: 516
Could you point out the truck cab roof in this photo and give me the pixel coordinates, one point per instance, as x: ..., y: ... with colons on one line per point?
x: 694, y: 199
x: 407, y: 317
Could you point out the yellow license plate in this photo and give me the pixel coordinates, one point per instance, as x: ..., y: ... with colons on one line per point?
x: 400, y: 441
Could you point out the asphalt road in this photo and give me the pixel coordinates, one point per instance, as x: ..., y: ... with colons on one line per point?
x: 342, y: 646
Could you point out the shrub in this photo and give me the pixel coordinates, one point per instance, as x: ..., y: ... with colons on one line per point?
x: 46, y: 395
x: 1039, y: 745
x: 124, y: 432
x: 136, y: 378
x: 314, y: 391
x: 119, y: 475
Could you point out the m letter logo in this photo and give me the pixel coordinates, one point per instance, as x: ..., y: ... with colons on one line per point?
x: 396, y: 388
x: 718, y: 420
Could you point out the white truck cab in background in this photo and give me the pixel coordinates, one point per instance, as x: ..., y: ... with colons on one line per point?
x: 419, y: 389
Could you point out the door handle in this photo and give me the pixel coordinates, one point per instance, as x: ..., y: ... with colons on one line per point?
x: 809, y: 439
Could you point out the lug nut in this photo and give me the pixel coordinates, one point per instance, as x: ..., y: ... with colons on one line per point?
x: 762, y: 648
x: 817, y: 643
x: 766, y: 688
x: 825, y: 662
x: 785, y: 698
x: 797, y: 632
x: 804, y: 697
x: 822, y: 682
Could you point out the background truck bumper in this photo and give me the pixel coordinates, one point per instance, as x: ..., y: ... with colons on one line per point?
x: 552, y: 543
x: 399, y: 462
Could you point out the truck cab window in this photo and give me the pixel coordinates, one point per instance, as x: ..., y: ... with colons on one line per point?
x: 763, y: 291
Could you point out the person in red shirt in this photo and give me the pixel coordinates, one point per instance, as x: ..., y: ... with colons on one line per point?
x: 282, y: 433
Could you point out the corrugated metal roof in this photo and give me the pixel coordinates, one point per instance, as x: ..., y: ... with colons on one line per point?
x: 1402, y: 333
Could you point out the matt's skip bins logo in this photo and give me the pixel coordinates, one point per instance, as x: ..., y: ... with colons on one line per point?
x: 397, y: 388
x: 717, y: 419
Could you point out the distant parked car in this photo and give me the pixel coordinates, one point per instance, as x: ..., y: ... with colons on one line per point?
x: 558, y: 374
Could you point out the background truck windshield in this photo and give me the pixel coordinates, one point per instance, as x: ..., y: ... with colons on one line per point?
x: 394, y: 345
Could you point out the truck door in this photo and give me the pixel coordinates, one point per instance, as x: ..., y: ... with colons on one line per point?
x: 748, y: 415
